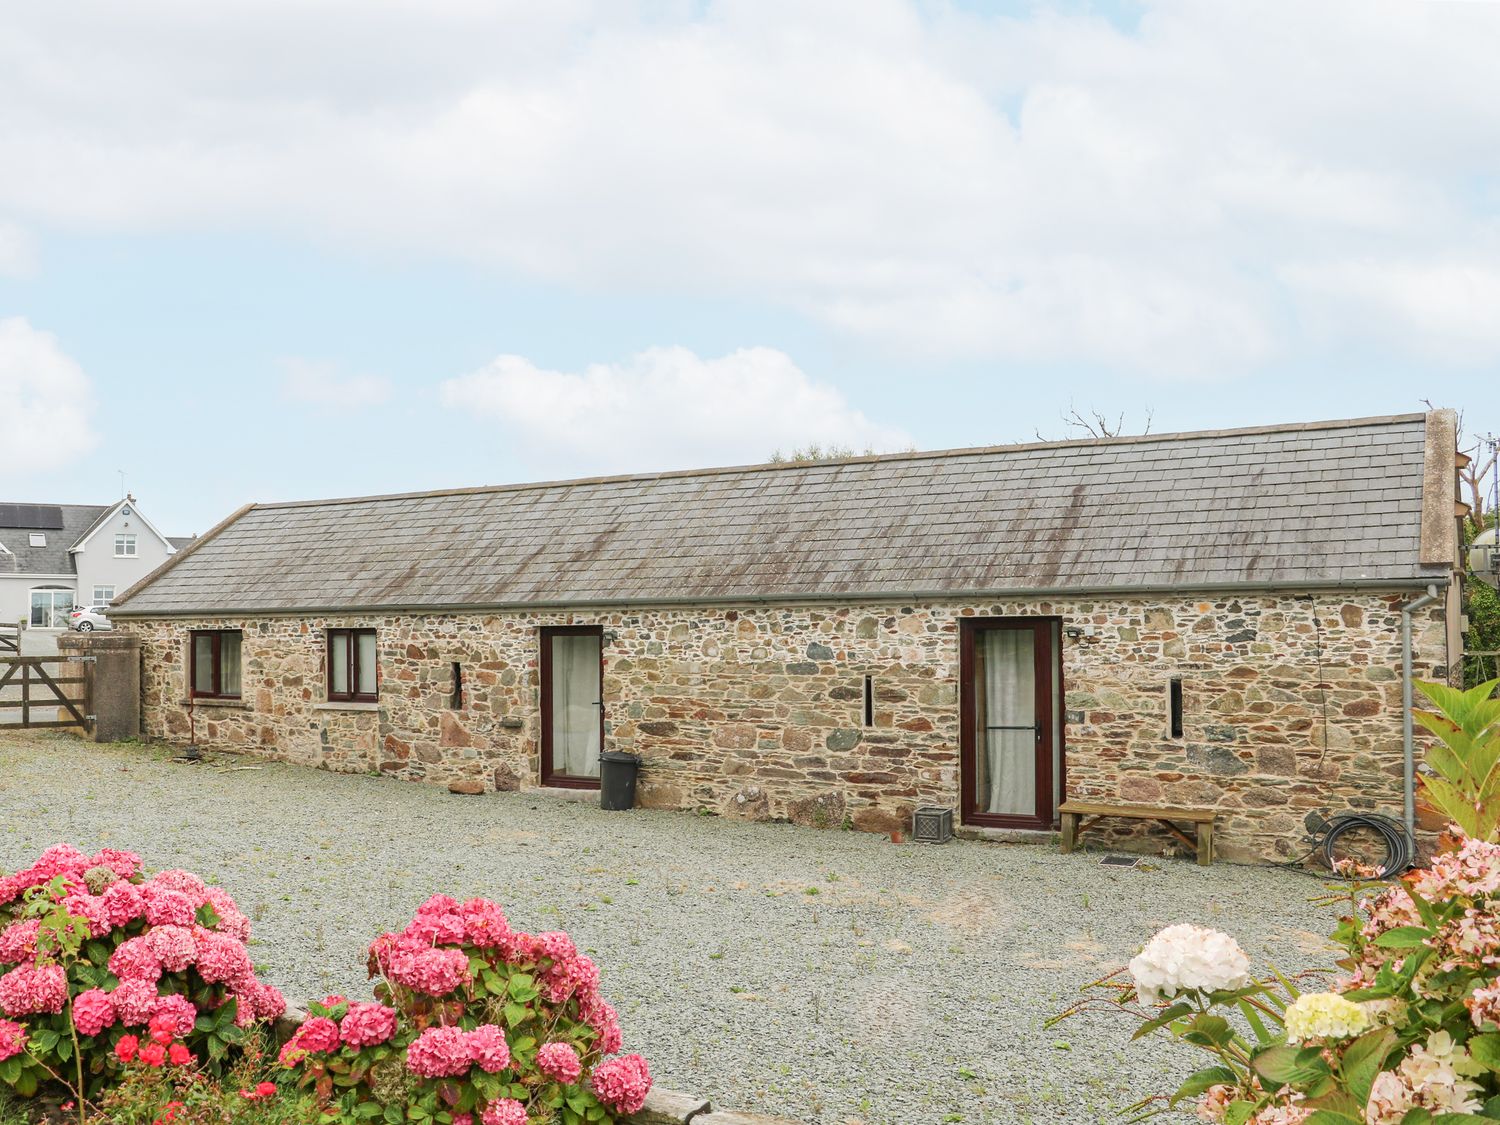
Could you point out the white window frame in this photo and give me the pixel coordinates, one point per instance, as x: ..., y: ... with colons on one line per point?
x: 37, y: 538
x: 54, y: 591
x: 96, y: 602
x: 125, y: 545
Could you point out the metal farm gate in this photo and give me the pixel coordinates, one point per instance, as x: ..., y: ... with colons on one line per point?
x: 43, y: 691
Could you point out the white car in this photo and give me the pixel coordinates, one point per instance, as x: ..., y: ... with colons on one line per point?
x: 86, y: 620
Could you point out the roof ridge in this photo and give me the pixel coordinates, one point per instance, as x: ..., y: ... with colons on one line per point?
x: 912, y: 455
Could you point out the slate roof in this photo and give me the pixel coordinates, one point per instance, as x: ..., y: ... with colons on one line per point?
x: 1335, y: 503
x: 54, y: 557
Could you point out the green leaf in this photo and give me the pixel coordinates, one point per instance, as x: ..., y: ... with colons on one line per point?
x: 1257, y: 1025
x: 1202, y: 1080
x: 1486, y: 1050
x: 522, y: 988
x: 1208, y: 1031
x: 1329, y: 1117
x: 1403, y: 937
x: 1285, y: 1065
x: 1364, y: 1059
x: 516, y: 1014
x: 1175, y: 1012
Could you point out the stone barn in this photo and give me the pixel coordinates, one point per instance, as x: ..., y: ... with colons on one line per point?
x: 1211, y: 620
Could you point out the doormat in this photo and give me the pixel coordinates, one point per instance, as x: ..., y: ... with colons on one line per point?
x: 1120, y: 861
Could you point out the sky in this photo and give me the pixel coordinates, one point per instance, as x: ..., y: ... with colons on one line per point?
x: 267, y: 249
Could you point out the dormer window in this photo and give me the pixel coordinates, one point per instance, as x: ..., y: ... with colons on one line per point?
x: 125, y: 546
x: 38, y: 538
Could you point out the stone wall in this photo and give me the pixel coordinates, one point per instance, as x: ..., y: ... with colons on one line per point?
x: 1290, y: 704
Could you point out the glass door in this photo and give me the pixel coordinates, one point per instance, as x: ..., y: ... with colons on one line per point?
x: 1011, y: 745
x: 572, y: 705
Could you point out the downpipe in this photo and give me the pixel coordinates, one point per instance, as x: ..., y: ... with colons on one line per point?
x: 1408, y: 740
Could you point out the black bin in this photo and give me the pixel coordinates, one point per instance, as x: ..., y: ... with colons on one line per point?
x: 617, y: 771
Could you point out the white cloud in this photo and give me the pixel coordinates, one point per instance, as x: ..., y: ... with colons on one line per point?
x: 322, y: 384
x: 912, y: 173
x: 45, y: 421
x: 664, y: 408
x: 17, y: 251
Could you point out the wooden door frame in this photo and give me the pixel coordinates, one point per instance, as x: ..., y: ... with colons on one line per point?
x: 544, y: 662
x: 1048, y: 658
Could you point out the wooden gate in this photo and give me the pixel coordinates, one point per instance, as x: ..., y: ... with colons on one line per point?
x: 10, y: 639
x: 41, y: 697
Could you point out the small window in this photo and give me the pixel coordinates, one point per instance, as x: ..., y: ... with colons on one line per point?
x: 38, y: 538
x: 1174, y: 705
x: 869, y: 701
x: 457, y: 701
x: 103, y: 595
x: 215, y: 671
x: 352, y: 664
x: 125, y: 545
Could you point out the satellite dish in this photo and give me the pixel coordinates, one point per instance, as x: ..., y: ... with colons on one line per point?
x: 1484, y: 558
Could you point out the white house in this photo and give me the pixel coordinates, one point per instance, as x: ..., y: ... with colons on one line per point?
x: 56, y: 556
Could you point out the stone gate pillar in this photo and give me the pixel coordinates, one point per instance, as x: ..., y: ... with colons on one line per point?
x: 111, y: 666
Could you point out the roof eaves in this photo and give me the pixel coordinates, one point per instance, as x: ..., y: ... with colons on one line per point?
x: 105, y: 518
x: 840, y: 597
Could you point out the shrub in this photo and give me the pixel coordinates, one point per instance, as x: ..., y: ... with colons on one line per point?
x: 1409, y: 1034
x: 473, y: 1024
x: 99, y: 963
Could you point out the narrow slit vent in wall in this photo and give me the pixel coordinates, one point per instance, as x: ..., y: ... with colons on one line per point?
x: 869, y: 701
x: 1174, y: 705
x: 458, y: 686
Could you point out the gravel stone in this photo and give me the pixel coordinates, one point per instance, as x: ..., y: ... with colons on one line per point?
x: 826, y: 975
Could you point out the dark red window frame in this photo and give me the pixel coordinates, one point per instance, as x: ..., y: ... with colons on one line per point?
x: 215, y: 658
x: 353, y: 695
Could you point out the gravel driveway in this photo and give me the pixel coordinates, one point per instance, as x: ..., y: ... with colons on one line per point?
x: 829, y: 976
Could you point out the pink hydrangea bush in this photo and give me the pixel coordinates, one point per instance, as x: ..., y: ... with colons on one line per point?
x: 474, y: 1024
x: 94, y: 953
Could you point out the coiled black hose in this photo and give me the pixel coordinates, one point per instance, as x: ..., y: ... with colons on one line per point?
x: 1400, y: 849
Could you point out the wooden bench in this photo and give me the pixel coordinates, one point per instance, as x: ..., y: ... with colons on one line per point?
x: 1074, y: 824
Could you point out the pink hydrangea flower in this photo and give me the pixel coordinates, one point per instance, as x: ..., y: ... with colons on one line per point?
x: 231, y: 920
x: 367, y: 1025
x: 488, y: 1049
x: 29, y: 990
x: 318, y: 1034
x: 134, y: 1001
x: 505, y: 1111
x: 93, y: 1011
x: 18, y: 941
x: 463, y: 1119
x: 598, y: 1014
x: 519, y: 948
x: 557, y: 945
x: 123, y: 903
x: 267, y: 1000
x: 12, y: 1039
x: 222, y: 959
x: 435, y: 972
x: 173, y: 945
x: 439, y: 1052
x: 485, y: 925
x: 180, y: 1009
x: 622, y: 1084
x: 93, y: 910
x: 183, y: 882
x: 166, y: 907
x: 438, y: 921
x: 134, y: 959
x: 124, y: 864
x: 559, y: 1061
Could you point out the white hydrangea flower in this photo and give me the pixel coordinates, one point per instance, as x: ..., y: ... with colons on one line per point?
x: 1324, y: 1015
x: 1186, y: 958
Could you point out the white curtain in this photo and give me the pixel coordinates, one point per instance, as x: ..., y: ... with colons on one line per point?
x: 1008, y: 768
x: 575, y: 704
